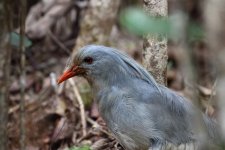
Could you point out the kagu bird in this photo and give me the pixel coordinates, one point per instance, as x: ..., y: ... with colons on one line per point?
x: 138, y: 111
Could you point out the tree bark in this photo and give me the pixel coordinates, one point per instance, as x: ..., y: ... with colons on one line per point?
x: 5, y: 58
x: 97, y: 22
x: 23, y: 6
x: 155, y: 47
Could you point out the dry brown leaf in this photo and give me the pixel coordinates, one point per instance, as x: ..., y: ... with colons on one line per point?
x: 94, y: 110
x: 62, y: 130
x: 205, y: 91
x: 60, y: 107
x: 100, y: 144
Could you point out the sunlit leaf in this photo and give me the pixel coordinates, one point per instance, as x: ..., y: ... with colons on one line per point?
x: 136, y: 21
x: 15, y: 40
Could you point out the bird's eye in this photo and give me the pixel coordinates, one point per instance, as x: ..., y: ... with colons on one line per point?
x: 88, y: 60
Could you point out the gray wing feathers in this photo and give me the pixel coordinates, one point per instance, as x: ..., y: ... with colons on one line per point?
x: 185, y: 111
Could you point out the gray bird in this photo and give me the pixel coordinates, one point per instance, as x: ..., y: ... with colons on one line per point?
x: 139, y: 112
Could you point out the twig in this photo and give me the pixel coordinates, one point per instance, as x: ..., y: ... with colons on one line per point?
x: 43, y: 95
x: 63, y: 122
x: 81, y: 105
x: 23, y: 4
x: 96, y: 125
x: 53, y: 81
x: 59, y: 43
x: 211, y: 96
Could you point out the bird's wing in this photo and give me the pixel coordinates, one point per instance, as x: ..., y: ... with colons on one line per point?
x: 172, y: 115
x: 148, y: 117
x: 163, y: 115
x: 178, y: 117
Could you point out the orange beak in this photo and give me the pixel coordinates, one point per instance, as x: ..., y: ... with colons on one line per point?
x: 68, y: 74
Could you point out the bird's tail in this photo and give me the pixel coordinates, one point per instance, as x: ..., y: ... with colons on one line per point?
x: 213, y: 129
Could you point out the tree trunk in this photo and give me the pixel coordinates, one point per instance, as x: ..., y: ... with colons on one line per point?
x: 97, y: 22
x: 214, y: 23
x: 5, y: 58
x: 155, y: 47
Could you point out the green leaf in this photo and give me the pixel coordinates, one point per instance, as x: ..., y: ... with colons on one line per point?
x: 15, y: 40
x: 138, y: 22
x: 80, y: 148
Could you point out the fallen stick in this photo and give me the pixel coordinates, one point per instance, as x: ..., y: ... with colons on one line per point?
x: 46, y: 92
x: 96, y: 125
x: 81, y: 105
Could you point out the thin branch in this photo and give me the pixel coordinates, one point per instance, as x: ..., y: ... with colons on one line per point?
x: 23, y: 4
x: 96, y: 125
x: 211, y: 97
x: 81, y: 105
x: 36, y: 103
x: 59, y: 43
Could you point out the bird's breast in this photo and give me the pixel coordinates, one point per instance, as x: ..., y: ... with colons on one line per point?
x: 118, y: 111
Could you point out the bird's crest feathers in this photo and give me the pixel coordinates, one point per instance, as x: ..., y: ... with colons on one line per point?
x: 129, y: 65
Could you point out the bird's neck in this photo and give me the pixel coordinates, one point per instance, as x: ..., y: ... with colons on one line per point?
x: 102, y: 83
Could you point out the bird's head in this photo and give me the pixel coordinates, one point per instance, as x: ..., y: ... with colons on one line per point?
x: 104, y: 64
x: 90, y: 61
